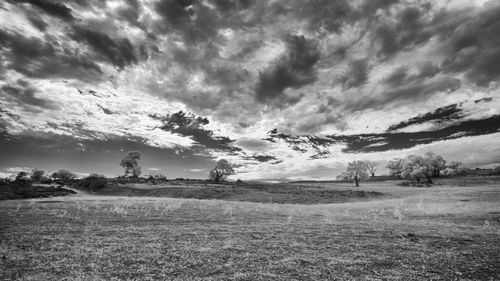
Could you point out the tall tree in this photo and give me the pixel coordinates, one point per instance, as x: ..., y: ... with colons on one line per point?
x: 357, y: 171
x: 395, y: 166
x: 418, y: 167
x: 436, y: 161
x: 131, y: 165
x: 221, y: 170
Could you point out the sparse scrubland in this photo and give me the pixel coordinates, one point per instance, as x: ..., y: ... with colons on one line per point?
x: 449, y: 231
x: 25, y: 190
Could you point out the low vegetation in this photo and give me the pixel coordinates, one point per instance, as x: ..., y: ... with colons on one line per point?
x: 263, y: 193
x: 448, y: 232
x: 24, y: 190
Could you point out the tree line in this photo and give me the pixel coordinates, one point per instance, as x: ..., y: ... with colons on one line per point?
x: 130, y: 163
x: 413, y: 167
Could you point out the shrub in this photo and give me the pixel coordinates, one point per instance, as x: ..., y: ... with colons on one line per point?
x: 94, y: 182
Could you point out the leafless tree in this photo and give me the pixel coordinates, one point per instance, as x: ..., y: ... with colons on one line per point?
x: 372, y: 167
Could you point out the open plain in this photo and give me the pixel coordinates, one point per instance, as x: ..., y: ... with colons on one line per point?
x: 450, y: 231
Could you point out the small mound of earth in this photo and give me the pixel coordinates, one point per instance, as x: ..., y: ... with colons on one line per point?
x: 282, y: 194
x: 10, y: 191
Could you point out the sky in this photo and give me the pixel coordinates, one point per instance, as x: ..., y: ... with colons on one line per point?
x: 284, y: 90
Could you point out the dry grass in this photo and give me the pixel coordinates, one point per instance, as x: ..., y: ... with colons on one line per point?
x: 260, y: 193
x: 445, y: 232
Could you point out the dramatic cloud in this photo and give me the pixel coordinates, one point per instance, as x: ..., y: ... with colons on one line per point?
x: 25, y: 95
x: 473, y: 44
x: 119, y: 52
x: 357, y: 74
x: 52, y: 8
x: 440, y: 115
x: 194, y: 81
x: 192, y: 126
x: 37, y: 58
x: 293, y: 70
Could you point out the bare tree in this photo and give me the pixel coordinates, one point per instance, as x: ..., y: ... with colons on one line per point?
x: 372, y: 167
x: 130, y: 164
x: 357, y: 171
x: 222, y: 170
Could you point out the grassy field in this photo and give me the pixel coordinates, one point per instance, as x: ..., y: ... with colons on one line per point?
x: 447, y: 232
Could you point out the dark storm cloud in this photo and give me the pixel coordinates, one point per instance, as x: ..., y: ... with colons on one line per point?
x: 130, y: 12
x: 390, y: 141
x: 6, y: 118
x: 187, y: 124
x: 231, y: 5
x: 194, y: 57
x: 472, y: 45
x: 37, y: 58
x: 52, y: 8
x: 440, y: 115
x: 105, y: 110
x: 469, y: 39
x: 225, y: 75
x: 293, y: 70
x: 200, y: 21
x: 325, y: 14
x: 26, y: 95
x: 120, y: 52
x: 303, y: 143
x: 372, y: 6
x: 408, y: 90
x: 263, y: 158
x: 357, y: 74
x: 332, y: 16
x: 408, y: 31
x: 38, y: 23
x: 176, y: 13
x: 398, y: 77
x: 189, y: 18
x: 428, y: 70
x: 483, y: 100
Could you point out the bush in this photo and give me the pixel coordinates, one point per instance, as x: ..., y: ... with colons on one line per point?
x: 63, y: 175
x: 496, y: 170
x: 94, y: 182
x: 46, y: 180
x: 413, y: 184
